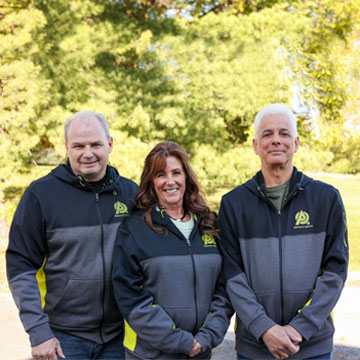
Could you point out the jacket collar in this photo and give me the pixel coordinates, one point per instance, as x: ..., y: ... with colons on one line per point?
x: 65, y: 173
x: 162, y: 219
x: 298, y: 181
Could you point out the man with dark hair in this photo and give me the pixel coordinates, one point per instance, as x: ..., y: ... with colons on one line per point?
x: 284, y: 240
x: 60, y: 248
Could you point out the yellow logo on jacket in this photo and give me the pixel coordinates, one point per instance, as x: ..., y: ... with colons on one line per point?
x: 120, y: 209
x: 208, y: 240
x: 302, y: 220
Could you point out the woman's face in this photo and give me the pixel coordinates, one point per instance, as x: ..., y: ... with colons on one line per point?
x: 170, y: 184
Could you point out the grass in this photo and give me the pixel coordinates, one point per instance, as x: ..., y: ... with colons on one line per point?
x: 349, y: 187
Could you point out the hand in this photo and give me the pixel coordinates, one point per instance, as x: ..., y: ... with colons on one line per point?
x: 195, y: 349
x: 48, y: 350
x: 279, y: 342
x: 293, y: 334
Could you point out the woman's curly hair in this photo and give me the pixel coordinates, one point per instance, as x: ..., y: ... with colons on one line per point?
x: 193, y: 201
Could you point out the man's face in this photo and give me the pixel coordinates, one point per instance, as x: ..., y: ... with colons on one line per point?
x: 276, y: 142
x: 88, y: 148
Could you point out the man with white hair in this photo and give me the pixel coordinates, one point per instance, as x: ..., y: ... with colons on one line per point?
x: 60, y: 249
x: 284, y: 240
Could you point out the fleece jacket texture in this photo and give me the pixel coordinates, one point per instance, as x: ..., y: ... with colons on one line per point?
x: 284, y: 267
x: 169, y: 289
x: 59, y: 254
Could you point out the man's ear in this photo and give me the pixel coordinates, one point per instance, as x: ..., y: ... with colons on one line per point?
x: 255, y: 144
x: 297, y: 144
x: 111, y: 144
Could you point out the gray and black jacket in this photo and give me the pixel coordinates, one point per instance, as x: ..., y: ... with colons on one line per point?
x: 168, y: 288
x: 59, y: 255
x: 284, y: 267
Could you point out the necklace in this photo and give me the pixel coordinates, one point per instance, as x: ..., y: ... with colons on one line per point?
x: 180, y: 219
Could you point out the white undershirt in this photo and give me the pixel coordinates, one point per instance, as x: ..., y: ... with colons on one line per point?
x: 185, y: 227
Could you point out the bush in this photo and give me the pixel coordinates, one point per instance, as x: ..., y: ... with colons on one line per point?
x: 223, y: 170
x: 312, y: 160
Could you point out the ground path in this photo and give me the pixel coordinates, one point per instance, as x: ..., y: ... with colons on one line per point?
x: 14, y: 343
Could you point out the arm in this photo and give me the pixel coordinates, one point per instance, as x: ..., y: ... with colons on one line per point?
x: 24, y: 257
x: 148, y: 320
x: 334, y: 265
x: 242, y: 297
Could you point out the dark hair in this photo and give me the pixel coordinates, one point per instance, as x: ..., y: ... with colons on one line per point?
x: 146, y: 197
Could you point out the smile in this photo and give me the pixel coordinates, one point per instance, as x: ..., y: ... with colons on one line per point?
x: 171, y: 190
x: 89, y: 163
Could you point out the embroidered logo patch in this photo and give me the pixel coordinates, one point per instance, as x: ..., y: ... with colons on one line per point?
x: 302, y: 220
x: 208, y: 240
x: 120, y: 209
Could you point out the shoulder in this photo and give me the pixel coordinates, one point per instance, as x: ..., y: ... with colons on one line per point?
x: 42, y: 184
x: 128, y: 183
x: 320, y: 187
x: 322, y: 195
x: 122, y: 182
x: 136, y: 220
x: 38, y: 193
x: 133, y: 229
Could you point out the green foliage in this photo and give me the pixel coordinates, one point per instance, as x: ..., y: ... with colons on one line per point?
x: 197, y: 79
x: 325, y: 67
x: 320, y: 63
x: 203, y: 7
x: 221, y: 170
x: 24, y: 91
x: 239, y: 163
x: 312, y: 159
x: 13, y: 187
x: 224, y: 68
x: 345, y: 146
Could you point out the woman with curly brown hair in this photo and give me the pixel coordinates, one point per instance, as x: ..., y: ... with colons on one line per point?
x: 166, y: 265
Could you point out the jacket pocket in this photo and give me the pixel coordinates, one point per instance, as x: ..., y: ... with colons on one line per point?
x: 183, y: 318
x: 270, y: 300
x: 294, y: 302
x: 79, y: 306
x: 203, y: 313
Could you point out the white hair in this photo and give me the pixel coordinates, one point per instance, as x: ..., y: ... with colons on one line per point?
x: 87, y: 114
x: 275, y: 109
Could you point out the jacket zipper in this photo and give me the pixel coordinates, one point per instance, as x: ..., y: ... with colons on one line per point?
x: 281, y: 273
x: 103, y: 265
x: 286, y: 200
x: 280, y: 254
x: 195, y: 284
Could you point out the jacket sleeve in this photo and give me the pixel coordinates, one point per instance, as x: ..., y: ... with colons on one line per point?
x: 212, y: 333
x: 243, y: 299
x: 24, y: 257
x: 334, y: 266
x: 148, y: 320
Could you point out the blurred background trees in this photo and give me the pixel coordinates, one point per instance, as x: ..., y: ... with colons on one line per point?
x: 195, y: 72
